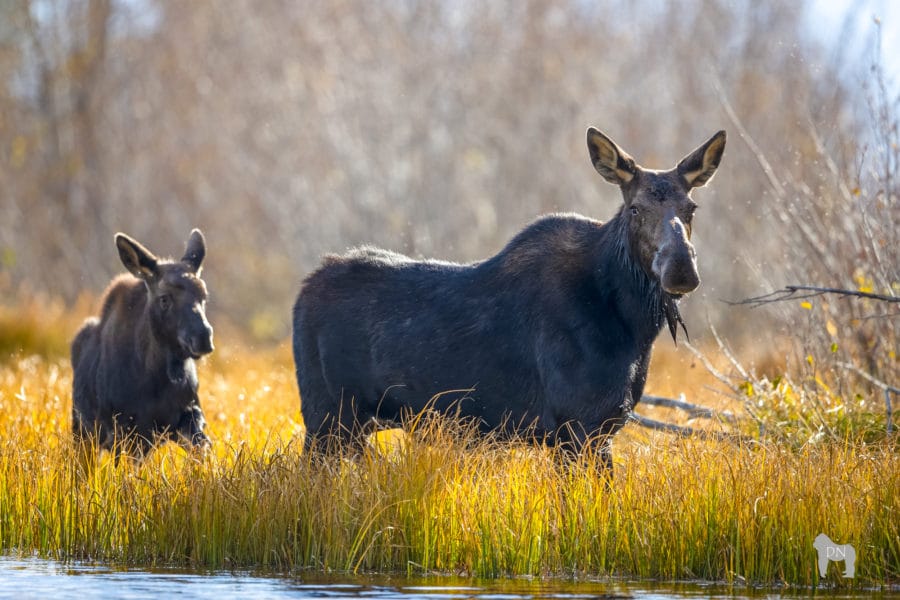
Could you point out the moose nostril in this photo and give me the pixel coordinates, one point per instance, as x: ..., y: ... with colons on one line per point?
x: 683, y: 286
x: 206, y: 343
x: 681, y: 281
x: 676, y: 267
x: 199, y: 344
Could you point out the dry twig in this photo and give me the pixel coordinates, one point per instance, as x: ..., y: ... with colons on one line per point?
x: 800, y: 292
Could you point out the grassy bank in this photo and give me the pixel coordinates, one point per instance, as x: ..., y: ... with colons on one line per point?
x: 440, y: 501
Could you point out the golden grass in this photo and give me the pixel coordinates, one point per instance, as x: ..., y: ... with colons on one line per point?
x: 441, y: 500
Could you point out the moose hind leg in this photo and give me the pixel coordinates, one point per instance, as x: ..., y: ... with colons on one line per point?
x: 80, y: 433
x: 335, y: 434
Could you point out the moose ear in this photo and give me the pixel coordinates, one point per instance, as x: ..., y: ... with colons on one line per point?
x: 610, y: 161
x: 195, y: 252
x: 137, y: 259
x: 698, y: 167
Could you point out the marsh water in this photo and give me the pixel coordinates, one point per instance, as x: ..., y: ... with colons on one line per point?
x: 40, y: 578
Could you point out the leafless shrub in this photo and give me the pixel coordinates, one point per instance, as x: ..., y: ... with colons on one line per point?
x: 287, y: 130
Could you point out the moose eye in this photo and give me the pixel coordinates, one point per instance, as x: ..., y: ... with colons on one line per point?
x: 634, y: 211
x: 165, y: 302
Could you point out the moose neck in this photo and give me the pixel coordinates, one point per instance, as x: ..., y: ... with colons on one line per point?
x: 639, y: 296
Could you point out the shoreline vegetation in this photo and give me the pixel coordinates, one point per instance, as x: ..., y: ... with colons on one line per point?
x: 440, y: 499
x: 107, y: 111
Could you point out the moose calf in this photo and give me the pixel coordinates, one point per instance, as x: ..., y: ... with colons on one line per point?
x: 551, y: 337
x: 135, y: 377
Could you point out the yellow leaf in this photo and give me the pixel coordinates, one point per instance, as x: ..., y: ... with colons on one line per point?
x: 865, y: 284
x: 831, y: 328
x: 806, y: 305
x: 809, y: 358
x: 834, y: 347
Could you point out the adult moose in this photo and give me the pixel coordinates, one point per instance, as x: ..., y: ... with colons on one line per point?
x: 135, y: 380
x: 551, y: 337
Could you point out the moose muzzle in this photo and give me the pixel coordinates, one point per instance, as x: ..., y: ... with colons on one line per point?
x: 675, y: 261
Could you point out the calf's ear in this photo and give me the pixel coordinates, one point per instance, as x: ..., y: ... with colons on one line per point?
x: 699, y: 166
x: 137, y: 259
x: 610, y: 161
x: 195, y: 252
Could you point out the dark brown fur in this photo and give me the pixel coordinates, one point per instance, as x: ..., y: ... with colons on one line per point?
x: 135, y: 377
x: 550, y: 337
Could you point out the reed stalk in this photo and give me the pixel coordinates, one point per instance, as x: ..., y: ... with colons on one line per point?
x: 438, y: 498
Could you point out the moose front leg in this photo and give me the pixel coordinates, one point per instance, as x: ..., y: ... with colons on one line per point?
x: 574, y: 444
x: 601, y: 449
x: 600, y: 444
x: 190, y: 429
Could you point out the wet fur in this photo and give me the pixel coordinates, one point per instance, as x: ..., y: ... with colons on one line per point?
x: 552, y: 336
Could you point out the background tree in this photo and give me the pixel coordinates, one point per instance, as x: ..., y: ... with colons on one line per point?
x: 288, y: 130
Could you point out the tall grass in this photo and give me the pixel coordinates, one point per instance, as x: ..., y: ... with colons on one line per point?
x: 436, y: 500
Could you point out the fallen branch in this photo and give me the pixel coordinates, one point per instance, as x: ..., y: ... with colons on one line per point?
x: 800, y: 292
x: 695, y: 411
x: 679, y: 430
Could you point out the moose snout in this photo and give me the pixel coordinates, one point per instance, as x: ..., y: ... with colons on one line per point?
x: 675, y: 262
x: 199, y: 341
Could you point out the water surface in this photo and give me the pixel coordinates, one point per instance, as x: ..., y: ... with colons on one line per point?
x: 39, y: 578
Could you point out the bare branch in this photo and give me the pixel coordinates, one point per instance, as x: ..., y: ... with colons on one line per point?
x: 871, y: 379
x: 800, y: 292
x: 679, y: 429
x: 888, y: 390
x: 712, y: 370
x: 748, y: 140
x: 693, y: 410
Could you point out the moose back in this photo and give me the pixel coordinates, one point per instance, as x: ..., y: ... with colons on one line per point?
x: 551, y: 337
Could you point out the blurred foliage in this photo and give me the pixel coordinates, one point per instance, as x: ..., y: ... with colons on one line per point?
x: 38, y: 325
x: 288, y: 130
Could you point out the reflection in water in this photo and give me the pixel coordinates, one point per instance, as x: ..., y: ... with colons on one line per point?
x: 39, y: 578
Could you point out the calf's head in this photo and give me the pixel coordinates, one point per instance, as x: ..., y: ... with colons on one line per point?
x: 176, y: 295
x: 658, y: 207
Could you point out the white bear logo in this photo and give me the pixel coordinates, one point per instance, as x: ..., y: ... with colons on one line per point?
x: 829, y: 551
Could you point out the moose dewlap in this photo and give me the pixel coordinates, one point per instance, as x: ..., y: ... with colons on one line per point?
x: 135, y: 377
x: 550, y: 338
